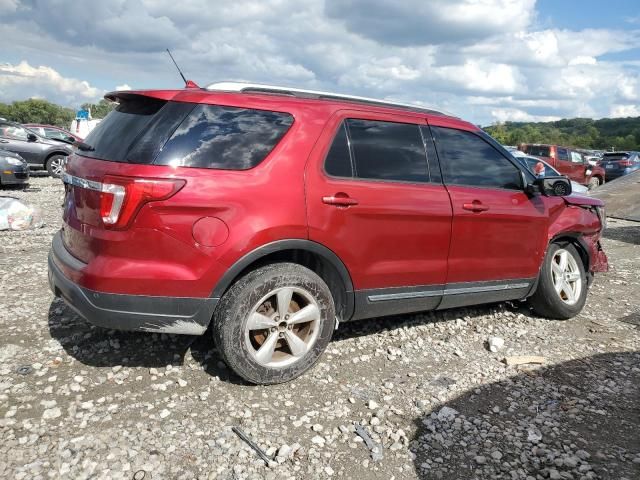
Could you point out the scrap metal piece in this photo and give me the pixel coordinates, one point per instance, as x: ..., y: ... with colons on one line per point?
x: 261, y: 453
x: 24, y: 369
x: 374, y: 448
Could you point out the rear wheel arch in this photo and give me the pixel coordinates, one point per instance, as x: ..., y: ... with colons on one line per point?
x: 312, y: 255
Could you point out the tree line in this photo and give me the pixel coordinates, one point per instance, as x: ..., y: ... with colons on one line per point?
x: 36, y: 110
x: 603, y: 134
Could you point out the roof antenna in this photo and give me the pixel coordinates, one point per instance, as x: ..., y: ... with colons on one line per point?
x: 187, y: 83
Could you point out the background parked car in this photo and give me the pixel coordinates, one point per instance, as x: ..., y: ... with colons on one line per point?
x: 568, y: 161
x: 530, y: 162
x: 617, y: 164
x: 13, y: 169
x: 39, y: 152
x: 52, y: 132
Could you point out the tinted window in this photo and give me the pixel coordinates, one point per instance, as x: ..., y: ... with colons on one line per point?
x: 113, y: 137
x: 224, y: 137
x: 615, y: 156
x: 388, y: 151
x: 537, y: 150
x: 563, y: 154
x: 338, y: 161
x: 466, y: 159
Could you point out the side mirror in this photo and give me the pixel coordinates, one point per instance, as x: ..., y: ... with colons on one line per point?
x: 553, y: 186
x: 31, y: 137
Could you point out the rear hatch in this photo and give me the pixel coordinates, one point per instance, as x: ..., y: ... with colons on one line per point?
x: 128, y: 139
x: 135, y: 156
x: 616, y: 162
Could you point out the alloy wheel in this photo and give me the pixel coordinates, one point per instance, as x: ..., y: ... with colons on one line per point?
x: 566, y: 277
x: 282, y: 327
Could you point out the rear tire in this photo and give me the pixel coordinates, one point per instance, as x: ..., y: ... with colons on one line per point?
x: 55, y: 165
x: 273, y: 324
x: 562, y: 287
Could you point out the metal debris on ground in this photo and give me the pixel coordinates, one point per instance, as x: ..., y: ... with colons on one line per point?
x: 524, y: 359
x: 261, y: 453
x: 24, y: 369
x: 374, y: 448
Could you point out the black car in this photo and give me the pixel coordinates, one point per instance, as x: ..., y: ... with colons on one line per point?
x: 617, y: 164
x: 13, y: 169
x: 39, y: 152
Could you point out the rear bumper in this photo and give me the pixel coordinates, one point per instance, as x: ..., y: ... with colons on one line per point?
x: 182, y: 315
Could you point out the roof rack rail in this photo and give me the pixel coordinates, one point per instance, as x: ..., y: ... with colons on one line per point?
x: 242, y: 87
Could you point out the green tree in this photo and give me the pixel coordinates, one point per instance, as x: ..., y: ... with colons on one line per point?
x: 100, y: 109
x: 37, y: 110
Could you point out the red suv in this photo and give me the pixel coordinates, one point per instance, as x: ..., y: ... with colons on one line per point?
x: 273, y: 214
x: 567, y: 161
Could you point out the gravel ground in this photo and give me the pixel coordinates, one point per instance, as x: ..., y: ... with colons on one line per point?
x: 78, y: 401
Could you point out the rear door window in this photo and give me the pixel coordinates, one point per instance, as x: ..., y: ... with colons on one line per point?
x: 563, y: 154
x: 468, y: 160
x: 228, y: 138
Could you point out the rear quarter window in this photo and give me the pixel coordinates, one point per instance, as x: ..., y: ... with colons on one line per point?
x: 228, y: 138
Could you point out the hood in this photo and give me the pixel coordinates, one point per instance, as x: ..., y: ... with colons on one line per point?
x: 7, y: 153
x: 582, y: 200
x: 48, y: 141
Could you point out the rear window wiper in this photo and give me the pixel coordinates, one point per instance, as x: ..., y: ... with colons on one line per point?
x: 85, y: 147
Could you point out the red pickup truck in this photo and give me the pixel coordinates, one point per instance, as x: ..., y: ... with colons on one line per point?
x: 567, y: 161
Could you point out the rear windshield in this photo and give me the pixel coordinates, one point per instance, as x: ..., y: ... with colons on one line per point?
x: 147, y: 130
x: 114, y: 136
x: 615, y: 156
x: 537, y: 150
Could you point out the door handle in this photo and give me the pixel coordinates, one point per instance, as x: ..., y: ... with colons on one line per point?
x: 340, y: 200
x: 475, y: 206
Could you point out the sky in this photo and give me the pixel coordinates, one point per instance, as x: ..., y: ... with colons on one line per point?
x: 486, y: 61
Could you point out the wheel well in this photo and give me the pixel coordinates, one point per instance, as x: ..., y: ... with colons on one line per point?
x: 575, y: 241
x: 315, y: 262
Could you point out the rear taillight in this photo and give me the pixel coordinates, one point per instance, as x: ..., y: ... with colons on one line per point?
x: 625, y: 163
x: 122, y: 197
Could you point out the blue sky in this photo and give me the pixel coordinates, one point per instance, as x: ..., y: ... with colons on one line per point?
x: 485, y: 60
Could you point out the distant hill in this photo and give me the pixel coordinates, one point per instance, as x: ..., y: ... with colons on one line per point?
x: 619, y: 133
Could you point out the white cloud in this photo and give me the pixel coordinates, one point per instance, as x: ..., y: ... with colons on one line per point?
x: 122, y: 87
x: 481, y: 59
x: 43, y: 82
x: 515, y: 115
x: 625, y: 111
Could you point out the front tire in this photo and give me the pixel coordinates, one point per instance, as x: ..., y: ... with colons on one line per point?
x: 562, y: 287
x: 273, y: 324
x: 55, y: 165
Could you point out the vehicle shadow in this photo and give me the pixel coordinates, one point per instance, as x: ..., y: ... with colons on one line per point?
x: 370, y: 326
x: 629, y: 234
x: 578, y: 419
x: 99, y: 347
